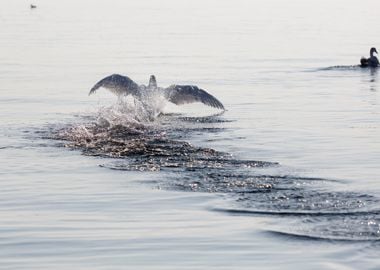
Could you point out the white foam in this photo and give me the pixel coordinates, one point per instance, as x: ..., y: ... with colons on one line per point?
x: 128, y: 111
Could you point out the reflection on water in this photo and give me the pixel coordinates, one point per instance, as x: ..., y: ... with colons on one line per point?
x: 370, y: 80
x: 373, y: 81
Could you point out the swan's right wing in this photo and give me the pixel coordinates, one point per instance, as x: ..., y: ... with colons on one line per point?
x: 183, y: 94
x: 117, y: 84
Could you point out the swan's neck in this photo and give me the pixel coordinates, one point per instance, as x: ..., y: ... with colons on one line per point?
x: 152, y: 82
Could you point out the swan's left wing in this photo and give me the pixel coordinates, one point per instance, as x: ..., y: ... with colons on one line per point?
x: 183, y: 94
x: 118, y: 84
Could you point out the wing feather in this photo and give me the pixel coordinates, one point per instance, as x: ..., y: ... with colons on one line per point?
x: 183, y: 94
x: 117, y: 84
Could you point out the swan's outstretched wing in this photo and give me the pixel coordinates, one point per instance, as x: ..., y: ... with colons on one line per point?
x: 183, y: 94
x: 117, y: 84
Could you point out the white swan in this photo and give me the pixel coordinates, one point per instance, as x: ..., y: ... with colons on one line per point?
x: 177, y: 94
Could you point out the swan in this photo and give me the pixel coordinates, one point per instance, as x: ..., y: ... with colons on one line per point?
x: 372, y: 61
x: 178, y: 94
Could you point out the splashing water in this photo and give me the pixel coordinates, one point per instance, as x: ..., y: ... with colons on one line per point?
x: 129, y: 110
x: 129, y: 132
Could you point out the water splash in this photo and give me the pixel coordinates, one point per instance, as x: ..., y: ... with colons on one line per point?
x: 126, y: 133
x: 129, y: 109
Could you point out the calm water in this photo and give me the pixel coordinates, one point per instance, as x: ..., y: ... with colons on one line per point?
x: 272, y: 64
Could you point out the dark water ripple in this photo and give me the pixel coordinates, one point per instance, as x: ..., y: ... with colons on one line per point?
x: 305, y: 207
x: 343, y: 68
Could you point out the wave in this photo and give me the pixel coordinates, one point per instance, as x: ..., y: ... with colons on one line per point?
x: 285, y: 213
x: 319, y: 238
x: 139, y: 140
x: 343, y: 68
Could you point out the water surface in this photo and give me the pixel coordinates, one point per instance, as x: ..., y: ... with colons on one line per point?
x: 285, y: 179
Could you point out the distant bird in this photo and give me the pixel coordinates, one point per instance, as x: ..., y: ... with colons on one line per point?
x: 177, y: 94
x: 372, y: 61
x: 33, y: 6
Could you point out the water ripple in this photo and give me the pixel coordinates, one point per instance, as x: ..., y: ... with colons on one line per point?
x: 315, y: 211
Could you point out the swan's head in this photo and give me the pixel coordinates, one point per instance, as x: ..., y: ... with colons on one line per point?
x: 373, y: 50
x: 152, y: 81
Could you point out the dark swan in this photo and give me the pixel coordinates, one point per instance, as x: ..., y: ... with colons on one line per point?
x: 177, y: 94
x: 372, y: 61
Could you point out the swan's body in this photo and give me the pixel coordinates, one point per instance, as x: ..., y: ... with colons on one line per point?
x: 372, y: 61
x: 177, y: 94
